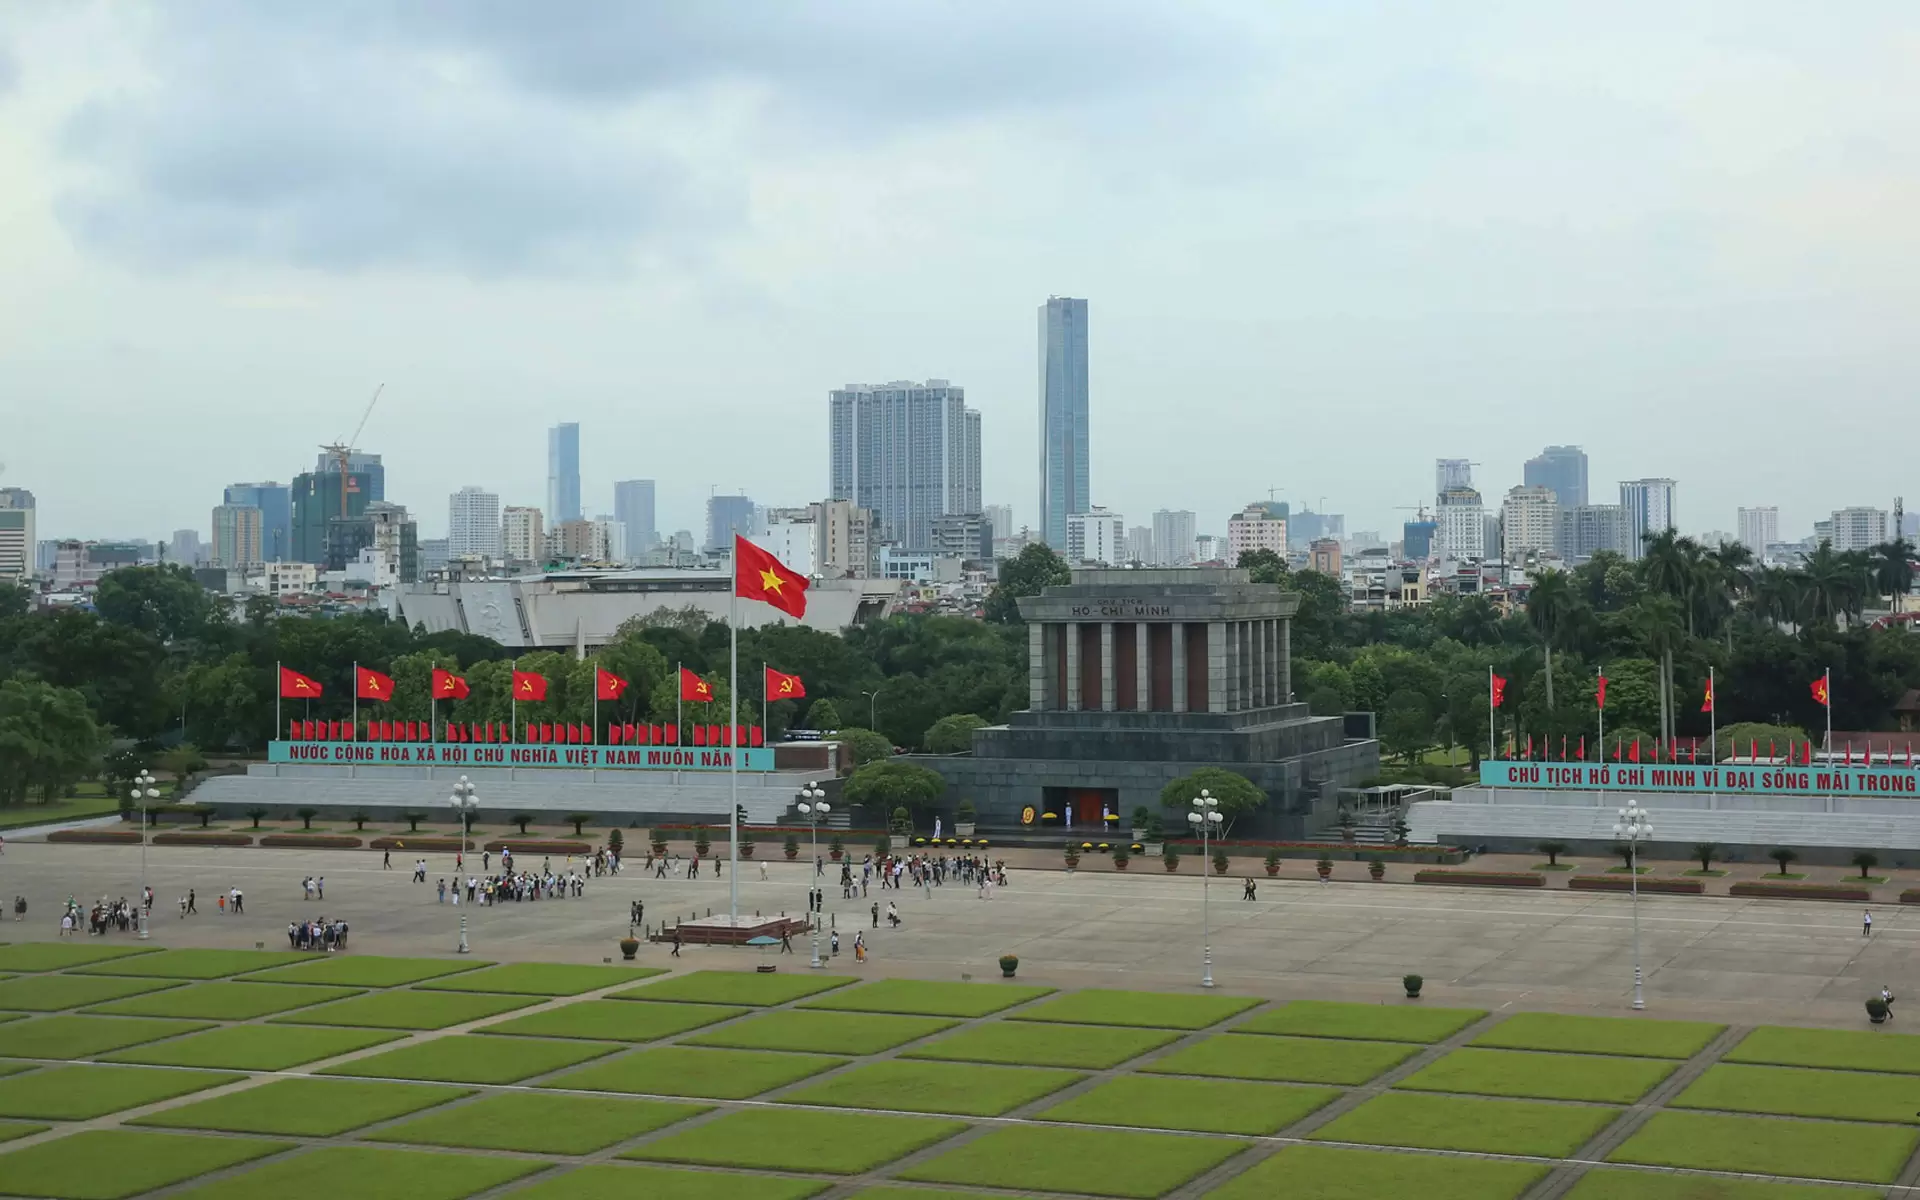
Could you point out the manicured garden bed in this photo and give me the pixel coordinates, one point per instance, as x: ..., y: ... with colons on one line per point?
x: 540, y: 979
x: 203, y: 839
x: 1338, y: 1173
x: 1802, y: 1092
x: 623, y: 1181
x: 82, y: 1092
x: 52, y: 993
x: 538, y: 1124
x: 1097, y: 1006
x: 968, y: 1090
x: 537, y: 846
x: 97, y: 837
x: 1801, y: 891
x: 1197, y: 1105
x: 193, y: 964
x: 310, y: 841
x: 223, y: 1001
x: 821, y: 1032
x: 107, y: 1164
x: 797, y: 1140
x: 1481, y: 878
x: 1598, y: 1078
x: 1064, y: 1159
x: 1367, y: 1022
x: 1284, y: 1059
x: 359, y: 971
x: 736, y: 987
x: 1620, y: 883
x: 475, y: 1058
x: 83, y: 1037
x: 1430, y: 1122
x: 333, y: 1172
x: 921, y: 998
x: 1622, y: 1184
x: 255, y: 1047
x: 424, y: 843
x: 1095, y: 1047
x: 1600, y: 1035
x: 1764, y: 1145
x: 303, y: 1107
x: 703, y: 1074
x: 1845, y: 1049
x: 405, y: 1009
x: 616, y: 1020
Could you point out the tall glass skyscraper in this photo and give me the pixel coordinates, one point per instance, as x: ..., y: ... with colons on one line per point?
x: 1064, y: 471
x: 1562, y: 468
x: 907, y: 452
x: 633, y: 507
x: 275, y: 502
x: 563, y: 473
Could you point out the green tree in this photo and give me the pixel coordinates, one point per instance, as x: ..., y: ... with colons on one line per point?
x: 48, y: 740
x: 822, y: 715
x: 1236, y: 793
x: 953, y: 734
x: 1550, y: 610
x: 886, y: 786
x: 1034, y: 568
x: 867, y: 745
x: 163, y: 600
x: 1407, y: 728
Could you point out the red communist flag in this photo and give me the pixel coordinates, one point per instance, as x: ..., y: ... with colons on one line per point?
x: 699, y: 735
x: 448, y: 686
x: 782, y: 686
x: 759, y: 737
x: 1499, y: 689
x: 1707, y: 704
x: 294, y: 685
x: 369, y: 684
x: 529, y: 686
x: 1819, y: 688
x: 1583, y: 747
x: 692, y: 687
x: 607, y: 685
x: 758, y: 575
x: 1634, y: 754
x: 1600, y: 696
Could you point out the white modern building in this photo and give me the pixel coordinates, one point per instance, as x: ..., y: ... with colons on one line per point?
x: 1096, y: 536
x: 17, y: 550
x: 1859, y: 528
x: 1140, y: 547
x: 473, y: 524
x: 523, y: 535
x: 1451, y: 473
x: 791, y: 535
x: 1261, y: 525
x: 1649, y: 505
x: 1174, y: 532
x: 1758, y: 528
x: 907, y: 452
x: 1530, y: 523
x: 1461, y: 525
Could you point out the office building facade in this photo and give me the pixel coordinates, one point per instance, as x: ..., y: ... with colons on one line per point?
x: 1562, y: 470
x: 907, y: 452
x: 1451, y: 473
x: 523, y: 536
x: 1417, y: 540
x: 1859, y: 528
x: 1174, y: 532
x: 236, y: 536
x: 1261, y: 525
x: 1650, y: 510
x: 18, y: 551
x: 563, y: 472
x: 1096, y: 536
x: 1065, y: 461
x: 1757, y: 528
x: 320, y: 498
x: 473, y: 524
x: 726, y: 516
x: 1530, y: 523
x: 633, y: 507
x: 1462, y: 526
x: 1588, y: 529
x: 275, y: 502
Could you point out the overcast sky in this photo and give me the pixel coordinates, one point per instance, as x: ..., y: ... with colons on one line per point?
x: 1322, y: 244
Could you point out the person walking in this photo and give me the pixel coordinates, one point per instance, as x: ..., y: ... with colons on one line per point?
x: 876, y: 914
x: 1866, y: 922
x: 386, y: 860
x: 191, y: 910
x: 238, y: 903
x: 320, y: 887
x: 835, y: 942
x: 676, y: 941
x: 1247, y: 892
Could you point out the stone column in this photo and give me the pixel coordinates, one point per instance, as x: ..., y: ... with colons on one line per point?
x: 1259, y: 699
x: 1285, y: 663
x: 1071, y: 631
x: 1142, y: 668
x: 1276, y: 662
x: 1229, y: 675
x: 1179, y: 639
x: 1248, y: 680
x: 1217, y: 666
x: 1106, y: 666
x: 1038, y: 667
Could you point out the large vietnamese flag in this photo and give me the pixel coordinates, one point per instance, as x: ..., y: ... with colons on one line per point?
x: 758, y: 575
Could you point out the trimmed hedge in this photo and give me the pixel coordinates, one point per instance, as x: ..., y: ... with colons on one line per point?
x: 1624, y: 883
x: 203, y: 839
x: 1482, y: 878
x: 408, y: 841
x: 311, y: 841
x: 1910, y: 896
x: 108, y: 837
x: 1801, y: 891
x: 534, y: 846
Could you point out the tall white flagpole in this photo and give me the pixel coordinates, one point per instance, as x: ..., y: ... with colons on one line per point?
x: 1827, y: 677
x: 356, y: 700
x: 278, y: 725
x: 679, y: 702
x: 1713, y: 723
x: 513, y: 702
x: 763, y: 696
x: 733, y: 722
x: 1601, y: 673
x: 1490, y: 712
x: 433, y: 704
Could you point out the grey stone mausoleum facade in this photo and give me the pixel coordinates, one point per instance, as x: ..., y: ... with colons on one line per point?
x: 1136, y: 678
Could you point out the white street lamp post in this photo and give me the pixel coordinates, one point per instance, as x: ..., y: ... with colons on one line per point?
x: 814, y: 809
x: 1205, y: 817
x: 466, y: 803
x: 144, y: 794
x: 1634, y: 827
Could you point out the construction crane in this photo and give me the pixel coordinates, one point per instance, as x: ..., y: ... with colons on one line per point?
x: 342, y: 452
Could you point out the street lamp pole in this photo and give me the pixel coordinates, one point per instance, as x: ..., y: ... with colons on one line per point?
x: 144, y: 794
x: 464, y: 802
x: 813, y: 808
x: 873, y: 707
x: 1633, y: 827
x: 1204, y: 817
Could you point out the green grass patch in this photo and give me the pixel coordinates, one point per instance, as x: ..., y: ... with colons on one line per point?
x: 1763, y: 1146
x: 1160, y: 1010
x: 916, y: 1193
x: 706, y: 1074
x: 1338, y: 1173
x: 540, y: 979
x: 1103, y: 1162
x: 1801, y: 1092
x: 51, y: 993
x: 617, y: 1020
x: 1469, y: 1123
x: 968, y: 1090
x: 1287, y: 1059
x: 255, y: 1047
x: 14, y: 1068
x: 193, y: 964
x: 1600, y: 1078
x: 1784, y: 875
x: 1367, y: 1022
x: 475, y: 1058
x: 84, y: 1037
x: 107, y: 1164
x: 58, y: 956
x: 1552, y: 867
x: 1697, y: 874
x: 622, y: 1182
x: 13, y: 1130
x: 737, y: 987
x: 221, y: 1001
x: 406, y: 1010
x: 304, y: 1107
x: 796, y: 1140
x: 916, y: 997
x: 1654, y: 1185
x: 1601, y: 1035
x: 347, y: 971
x: 1198, y: 1105
x: 81, y: 1093
x: 59, y: 811
x: 1845, y: 1049
x: 822, y: 1032
x: 335, y: 1171
x: 1095, y: 1047
x: 537, y: 1124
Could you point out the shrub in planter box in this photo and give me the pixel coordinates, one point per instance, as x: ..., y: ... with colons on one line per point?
x: 1072, y: 857
x: 629, y: 946
x: 408, y: 842
x: 1802, y: 891
x: 1376, y: 868
x: 532, y: 846
x: 1273, y: 862
x: 1009, y: 963
x: 835, y: 850
x: 1481, y: 878
x: 1413, y: 984
x: 790, y: 847
x: 1910, y: 896
x: 1219, y: 862
x: 1119, y: 858
x: 1878, y: 1010
x: 1624, y: 883
x: 1170, y: 859
x: 202, y: 839
x: 313, y: 841
x: 1323, y: 868
x: 104, y: 837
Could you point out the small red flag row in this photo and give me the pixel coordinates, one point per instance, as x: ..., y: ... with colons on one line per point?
x: 535, y: 733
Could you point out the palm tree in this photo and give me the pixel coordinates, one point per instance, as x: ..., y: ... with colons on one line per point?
x: 1828, y: 579
x: 1726, y: 578
x: 1550, y: 604
x: 1670, y: 565
x: 1778, y: 596
x: 1893, y: 568
x: 1655, y: 621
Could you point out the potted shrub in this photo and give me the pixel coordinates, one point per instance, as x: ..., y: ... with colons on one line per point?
x: 1877, y: 1010
x: 1324, y: 867
x: 615, y: 841
x: 1273, y: 862
x: 1412, y: 984
x: 1346, y: 825
x: 659, y: 843
x: 360, y: 819
x: 1119, y: 858
x: 1170, y: 859
x: 1376, y: 867
x: 1073, y: 857
x: 629, y: 946
x: 882, y: 846
x: 1009, y: 963
x: 701, y: 844
x: 902, y: 829
x: 791, y: 847
x: 1219, y: 862
x: 835, y: 850
x: 1142, y: 822
x: 963, y: 819
x: 746, y: 844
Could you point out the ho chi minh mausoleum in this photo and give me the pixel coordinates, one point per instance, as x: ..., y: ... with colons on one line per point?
x: 1136, y: 678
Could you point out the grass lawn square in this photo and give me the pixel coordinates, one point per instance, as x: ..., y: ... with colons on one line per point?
x: 14, y: 1068
x: 737, y: 987
x: 471, y: 1058
x: 348, y: 971
x: 822, y: 1032
x: 105, y: 1164
x: 916, y: 997
x: 55, y: 956
x: 1649, y: 1185
x: 193, y: 964
x: 795, y: 1140
x: 81, y: 1093
x: 1802, y: 1092
x: 84, y: 1037
x: 1096, y: 1047
x: 915, y: 1193
x: 538, y: 1124
x: 541, y: 979
x: 617, y: 1020
x: 1600, y: 1078
x: 1367, y: 1022
x: 1854, y: 1050
x: 1157, y: 1010
x: 620, y: 1182
x: 335, y: 1171
x: 10, y: 1130
x: 1337, y: 1173
x: 706, y: 1074
x: 1763, y: 1146
x: 220, y: 1001
x: 51, y: 993
x: 936, y: 1087
x: 1199, y: 1105
x: 304, y: 1107
x: 255, y: 1047
x: 1104, y: 1162
x: 1601, y: 1035
x: 1469, y: 1123
x: 406, y: 1010
x: 1286, y: 1059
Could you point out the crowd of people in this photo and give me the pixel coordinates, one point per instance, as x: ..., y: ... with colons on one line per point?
x: 103, y: 917
x: 321, y: 935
